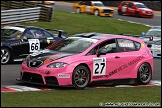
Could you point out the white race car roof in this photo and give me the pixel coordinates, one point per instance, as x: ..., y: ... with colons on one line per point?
x: 14, y: 28
x: 155, y: 30
x: 156, y: 27
x: 96, y: 2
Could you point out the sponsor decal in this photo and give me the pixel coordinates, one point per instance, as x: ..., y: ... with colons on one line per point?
x: 122, y: 44
x: 63, y: 76
x: 48, y: 41
x: 124, y: 66
x: 143, y: 45
x: 51, y: 58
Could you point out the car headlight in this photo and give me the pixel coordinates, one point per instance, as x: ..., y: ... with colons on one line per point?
x: 57, y: 65
x: 143, y: 11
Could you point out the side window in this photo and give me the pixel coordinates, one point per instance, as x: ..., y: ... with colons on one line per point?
x: 82, y: 3
x: 38, y: 33
x: 107, y: 46
x: 130, y: 5
x: 137, y: 45
x: 28, y: 34
x: 124, y: 4
x: 46, y: 34
x: 126, y: 45
x: 88, y: 3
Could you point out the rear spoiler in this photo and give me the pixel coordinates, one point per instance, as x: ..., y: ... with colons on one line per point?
x: 60, y: 32
x: 131, y: 35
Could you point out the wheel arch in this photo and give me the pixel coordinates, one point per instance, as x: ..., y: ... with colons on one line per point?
x: 144, y: 63
x: 84, y: 64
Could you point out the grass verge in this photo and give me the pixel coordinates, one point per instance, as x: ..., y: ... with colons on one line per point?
x: 79, y: 23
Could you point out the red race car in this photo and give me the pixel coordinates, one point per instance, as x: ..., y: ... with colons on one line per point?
x: 135, y: 9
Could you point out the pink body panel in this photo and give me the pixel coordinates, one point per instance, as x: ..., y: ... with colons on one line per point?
x: 124, y: 67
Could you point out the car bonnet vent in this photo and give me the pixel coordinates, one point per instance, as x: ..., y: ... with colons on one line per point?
x: 88, y: 35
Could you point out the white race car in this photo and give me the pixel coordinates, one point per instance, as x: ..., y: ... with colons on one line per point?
x: 153, y: 34
x: 155, y: 48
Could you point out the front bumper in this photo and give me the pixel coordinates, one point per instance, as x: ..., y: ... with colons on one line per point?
x: 46, y: 76
x: 106, y: 14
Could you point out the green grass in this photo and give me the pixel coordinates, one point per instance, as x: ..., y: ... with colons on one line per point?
x: 79, y: 23
x: 88, y: 97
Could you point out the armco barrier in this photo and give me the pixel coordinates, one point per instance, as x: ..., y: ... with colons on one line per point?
x: 20, y: 15
x: 20, y: 11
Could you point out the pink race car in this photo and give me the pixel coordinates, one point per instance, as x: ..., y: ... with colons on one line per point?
x: 88, y: 58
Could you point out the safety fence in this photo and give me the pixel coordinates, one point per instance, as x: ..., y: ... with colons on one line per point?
x: 23, y: 11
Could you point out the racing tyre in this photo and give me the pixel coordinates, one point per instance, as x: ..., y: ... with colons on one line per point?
x: 78, y: 10
x: 138, y: 14
x: 5, y: 56
x: 96, y: 13
x: 144, y: 74
x: 119, y: 12
x: 80, y: 77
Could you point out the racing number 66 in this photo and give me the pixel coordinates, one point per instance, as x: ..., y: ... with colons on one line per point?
x: 34, y: 46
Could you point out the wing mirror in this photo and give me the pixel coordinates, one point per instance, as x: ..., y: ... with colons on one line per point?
x: 151, y: 38
x: 101, y: 52
x: 143, y: 33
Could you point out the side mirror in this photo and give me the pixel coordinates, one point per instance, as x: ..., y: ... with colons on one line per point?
x: 151, y: 38
x: 101, y: 52
x: 143, y: 33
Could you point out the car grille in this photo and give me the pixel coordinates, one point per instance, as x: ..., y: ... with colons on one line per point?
x: 36, y: 78
x: 107, y: 11
x: 31, y: 77
x: 51, y: 80
x: 35, y: 63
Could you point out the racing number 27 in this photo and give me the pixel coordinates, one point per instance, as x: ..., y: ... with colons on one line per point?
x: 97, y: 68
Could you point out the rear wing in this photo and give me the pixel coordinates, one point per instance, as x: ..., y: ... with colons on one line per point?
x: 61, y: 33
x: 131, y: 35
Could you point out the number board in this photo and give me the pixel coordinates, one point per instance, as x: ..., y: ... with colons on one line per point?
x: 99, y: 66
x: 34, y: 45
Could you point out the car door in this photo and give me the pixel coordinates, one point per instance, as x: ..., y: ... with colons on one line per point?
x: 131, y: 9
x: 82, y: 6
x: 124, y: 8
x: 22, y: 49
x: 88, y: 8
x: 129, y: 56
x: 31, y: 43
x: 105, y: 66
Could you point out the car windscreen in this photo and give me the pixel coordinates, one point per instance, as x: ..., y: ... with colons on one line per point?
x: 9, y: 33
x: 154, y: 33
x: 141, y: 6
x: 98, y: 4
x: 74, y: 45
